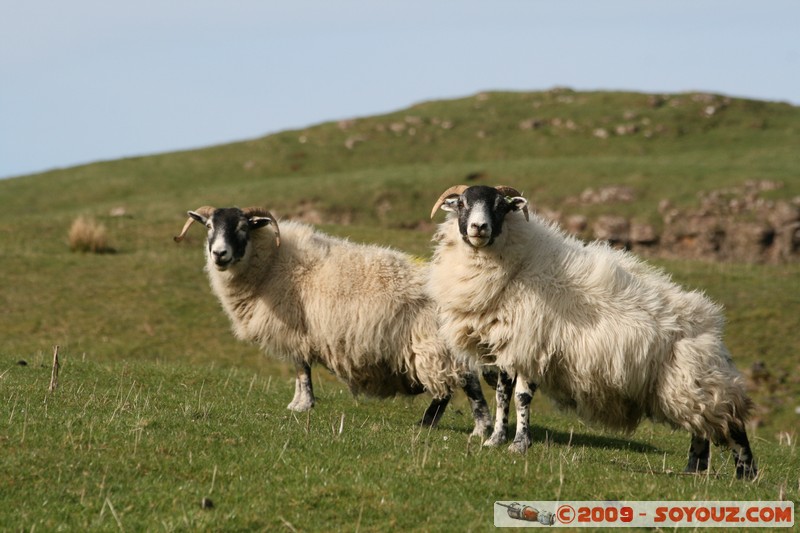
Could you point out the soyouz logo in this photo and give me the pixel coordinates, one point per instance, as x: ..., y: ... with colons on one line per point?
x: 643, y: 514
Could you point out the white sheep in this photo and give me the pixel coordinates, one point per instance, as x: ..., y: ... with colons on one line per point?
x: 595, y: 328
x: 359, y: 310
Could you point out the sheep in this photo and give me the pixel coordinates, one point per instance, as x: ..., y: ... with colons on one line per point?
x: 596, y: 329
x: 359, y: 310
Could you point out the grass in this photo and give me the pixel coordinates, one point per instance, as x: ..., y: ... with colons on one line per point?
x: 159, y: 407
x: 139, y: 445
x: 87, y: 235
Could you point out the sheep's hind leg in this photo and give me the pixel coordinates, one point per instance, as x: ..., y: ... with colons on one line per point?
x: 698, y: 455
x: 477, y: 402
x: 742, y: 454
x: 303, y: 389
x: 523, y: 394
x: 434, y: 412
x: 490, y: 375
x: 505, y: 386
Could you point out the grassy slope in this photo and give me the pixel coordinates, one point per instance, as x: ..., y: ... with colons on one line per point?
x: 139, y: 445
x: 140, y: 317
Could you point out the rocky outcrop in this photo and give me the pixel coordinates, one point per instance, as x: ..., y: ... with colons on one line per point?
x: 735, y: 224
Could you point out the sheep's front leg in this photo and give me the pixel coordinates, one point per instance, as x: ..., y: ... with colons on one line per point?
x: 523, y: 394
x: 434, y: 412
x: 303, y: 389
x: 742, y: 454
x: 477, y: 402
x: 698, y: 455
x: 505, y: 385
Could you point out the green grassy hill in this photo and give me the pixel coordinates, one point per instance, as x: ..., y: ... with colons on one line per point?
x: 153, y: 374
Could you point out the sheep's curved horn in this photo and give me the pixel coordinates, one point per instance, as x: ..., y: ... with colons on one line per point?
x: 261, y: 212
x: 205, y: 211
x: 455, y: 190
x: 511, y: 191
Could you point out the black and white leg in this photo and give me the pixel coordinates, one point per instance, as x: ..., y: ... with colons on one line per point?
x: 698, y: 455
x: 505, y: 387
x: 478, y: 405
x: 303, y: 389
x: 523, y: 394
x: 490, y: 374
x: 742, y: 454
x: 434, y: 412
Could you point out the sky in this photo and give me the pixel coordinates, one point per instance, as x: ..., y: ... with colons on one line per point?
x: 90, y: 80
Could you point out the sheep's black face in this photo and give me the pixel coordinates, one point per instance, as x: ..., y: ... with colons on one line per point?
x: 481, y: 212
x: 228, y: 234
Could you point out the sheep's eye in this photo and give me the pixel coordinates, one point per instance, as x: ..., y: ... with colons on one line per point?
x: 208, y: 225
x: 460, y: 203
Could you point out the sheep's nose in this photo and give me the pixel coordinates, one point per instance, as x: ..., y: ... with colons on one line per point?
x: 479, y: 227
x: 219, y: 254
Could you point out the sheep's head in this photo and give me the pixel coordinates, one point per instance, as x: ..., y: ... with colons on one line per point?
x: 481, y: 210
x: 229, y: 231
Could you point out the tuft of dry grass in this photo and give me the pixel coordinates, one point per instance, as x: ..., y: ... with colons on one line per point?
x: 88, y: 235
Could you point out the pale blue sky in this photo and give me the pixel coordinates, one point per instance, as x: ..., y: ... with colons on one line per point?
x: 88, y: 80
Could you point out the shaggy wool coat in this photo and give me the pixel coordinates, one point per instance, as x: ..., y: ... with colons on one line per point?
x: 598, y: 330
x: 361, y: 311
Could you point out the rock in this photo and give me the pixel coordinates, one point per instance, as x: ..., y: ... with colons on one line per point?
x: 783, y: 214
x: 549, y: 214
x: 643, y: 234
x: 626, y: 129
x: 746, y: 241
x: 728, y: 224
x: 604, y: 195
x: 692, y: 237
x: 353, y: 140
x: 531, y: 124
x: 612, y: 228
x: 656, y: 101
x: 786, y: 245
x: 576, y: 224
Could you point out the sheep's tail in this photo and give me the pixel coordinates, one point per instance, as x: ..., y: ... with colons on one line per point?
x: 702, y: 391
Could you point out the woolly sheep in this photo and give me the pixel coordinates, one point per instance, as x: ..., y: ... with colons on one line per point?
x: 359, y: 310
x: 596, y: 329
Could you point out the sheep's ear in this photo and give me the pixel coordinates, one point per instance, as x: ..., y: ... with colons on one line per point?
x: 518, y: 203
x: 258, y: 222
x: 200, y: 215
x: 197, y: 216
x: 453, y: 192
x: 450, y: 204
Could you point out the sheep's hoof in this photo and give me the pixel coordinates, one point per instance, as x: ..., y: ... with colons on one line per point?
x: 519, y: 446
x: 696, y: 468
x: 481, y: 431
x: 495, y: 440
x: 300, y: 406
x: 746, y: 471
